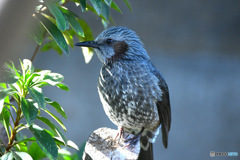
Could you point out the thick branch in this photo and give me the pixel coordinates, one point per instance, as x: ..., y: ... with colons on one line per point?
x: 101, y: 145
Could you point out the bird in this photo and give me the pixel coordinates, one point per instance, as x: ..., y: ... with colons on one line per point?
x: 134, y: 94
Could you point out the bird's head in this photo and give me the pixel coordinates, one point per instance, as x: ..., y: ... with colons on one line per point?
x: 116, y: 43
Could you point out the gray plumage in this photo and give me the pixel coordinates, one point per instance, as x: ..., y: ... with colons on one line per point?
x: 133, y: 93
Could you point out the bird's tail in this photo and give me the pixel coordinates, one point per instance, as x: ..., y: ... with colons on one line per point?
x: 146, y: 154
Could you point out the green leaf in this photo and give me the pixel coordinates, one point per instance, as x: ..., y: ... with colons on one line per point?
x: 6, y: 92
x: 56, y: 119
x: 57, y: 107
x: 62, y: 86
x: 69, y: 143
x: 30, y: 111
x: 95, y: 12
x: 37, y: 96
x: 83, y: 4
x: 4, y: 95
x: 69, y: 38
x: 36, y: 152
x: 26, y: 140
x: 53, y: 78
x: 54, y: 32
x: 115, y: 6
x: 36, y: 32
x: 128, y: 5
x: 11, y: 156
x: 104, y: 23
x: 56, y: 12
x: 54, y: 128
x: 4, y: 119
x: 53, y: 45
x: 10, y: 74
x: 87, y: 52
x: 21, y: 147
x: 45, y: 141
x: 108, y: 2
x: 23, y: 155
x: 27, y: 68
x: 72, y: 18
x: 105, y: 11
x: 97, y: 4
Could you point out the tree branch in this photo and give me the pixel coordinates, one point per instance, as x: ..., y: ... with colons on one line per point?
x: 101, y: 145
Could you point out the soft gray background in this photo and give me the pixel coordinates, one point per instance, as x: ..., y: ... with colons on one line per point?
x: 195, y: 45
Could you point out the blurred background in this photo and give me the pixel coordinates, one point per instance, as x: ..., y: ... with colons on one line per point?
x: 194, y: 44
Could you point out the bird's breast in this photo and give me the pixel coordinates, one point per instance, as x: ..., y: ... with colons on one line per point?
x: 129, y: 96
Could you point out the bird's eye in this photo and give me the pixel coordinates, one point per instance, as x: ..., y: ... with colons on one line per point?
x: 109, y: 41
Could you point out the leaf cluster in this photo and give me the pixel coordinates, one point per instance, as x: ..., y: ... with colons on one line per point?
x: 25, y: 87
x: 59, y: 25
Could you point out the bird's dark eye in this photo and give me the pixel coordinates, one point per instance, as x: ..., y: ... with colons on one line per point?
x: 109, y: 41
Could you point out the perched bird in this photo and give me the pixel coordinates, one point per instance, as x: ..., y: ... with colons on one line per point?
x: 133, y: 93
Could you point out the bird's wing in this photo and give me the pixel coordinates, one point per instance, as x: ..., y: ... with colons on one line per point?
x: 164, y: 110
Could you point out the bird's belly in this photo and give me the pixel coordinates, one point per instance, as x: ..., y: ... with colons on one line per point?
x: 130, y: 114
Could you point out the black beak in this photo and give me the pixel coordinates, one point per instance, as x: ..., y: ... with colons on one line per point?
x: 92, y: 44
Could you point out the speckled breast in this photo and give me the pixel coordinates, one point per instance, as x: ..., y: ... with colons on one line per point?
x: 128, y: 94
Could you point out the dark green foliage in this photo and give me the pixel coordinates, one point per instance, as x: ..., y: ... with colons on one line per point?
x: 61, y: 24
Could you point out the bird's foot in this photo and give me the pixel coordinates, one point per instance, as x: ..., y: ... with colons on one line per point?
x: 133, y: 140
x: 119, y: 134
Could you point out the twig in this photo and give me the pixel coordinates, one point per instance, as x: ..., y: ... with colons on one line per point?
x: 35, y: 52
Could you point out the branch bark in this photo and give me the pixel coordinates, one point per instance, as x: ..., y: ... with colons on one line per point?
x: 101, y: 145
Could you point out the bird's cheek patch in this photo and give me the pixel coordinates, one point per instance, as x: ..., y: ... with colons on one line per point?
x: 120, y: 47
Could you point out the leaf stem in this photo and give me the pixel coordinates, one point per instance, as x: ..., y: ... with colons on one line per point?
x: 35, y: 52
x: 13, y: 134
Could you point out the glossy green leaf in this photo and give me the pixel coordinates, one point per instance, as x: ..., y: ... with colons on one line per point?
x: 10, y: 74
x: 30, y: 111
x: 57, y: 106
x: 95, y: 12
x: 97, y: 4
x: 56, y: 12
x: 23, y: 155
x: 37, y: 32
x: 69, y: 38
x: 45, y: 141
x: 72, y: 18
x: 53, y: 78
x: 108, y: 2
x: 27, y: 68
x: 51, y: 45
x: 21, y: 147
x: 128, y: 4
x: 4, y: 119
x: 115, y: 6
x: 6, y: 92
x: 36, y: 152
x: 83, y: 4
x: 54, y: 32
x: 54, y: 128
x: 26, y: 140
x: 105, y: 11
x: 11, y: 156
x: 56, y: 119
x: 37, y: 96
x: 104, y: 23
x: 87, y: 52
x: 69, y: 143
x: 62, y: 86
